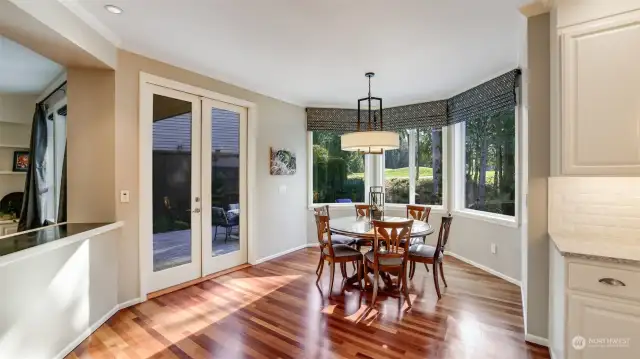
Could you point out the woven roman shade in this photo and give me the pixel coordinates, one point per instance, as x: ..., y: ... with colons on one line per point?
x: 486, y: 99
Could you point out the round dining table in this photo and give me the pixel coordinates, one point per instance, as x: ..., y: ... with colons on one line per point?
x: 362, y: 227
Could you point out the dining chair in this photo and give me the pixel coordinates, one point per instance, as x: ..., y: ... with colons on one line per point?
x: 389, y: 254
x: 334, y: 253
x: 362, y: 210
x: 421, y: 213
x: 427, y: 254
x: 219, y: 218
x: 336, y: 238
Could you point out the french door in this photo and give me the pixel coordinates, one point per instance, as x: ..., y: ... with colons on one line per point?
x: 194, y: 203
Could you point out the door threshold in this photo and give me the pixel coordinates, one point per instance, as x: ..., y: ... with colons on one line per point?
x: 195, y: 281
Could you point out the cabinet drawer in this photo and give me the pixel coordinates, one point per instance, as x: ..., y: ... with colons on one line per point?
x: 612, y: 282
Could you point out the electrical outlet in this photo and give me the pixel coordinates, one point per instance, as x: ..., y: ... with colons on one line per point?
x: 494, y: 248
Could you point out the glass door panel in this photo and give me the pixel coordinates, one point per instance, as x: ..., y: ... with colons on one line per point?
x: 171, y: 182
x: 224, y: 236
x: 175, y: 186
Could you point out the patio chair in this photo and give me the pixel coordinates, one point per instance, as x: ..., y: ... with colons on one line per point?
x: 219, y: 219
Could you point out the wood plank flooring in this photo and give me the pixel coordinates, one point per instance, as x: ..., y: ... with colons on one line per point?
x: 275, y: 310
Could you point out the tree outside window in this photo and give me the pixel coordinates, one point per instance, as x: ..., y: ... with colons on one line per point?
x: 429, y: 167
x: 338, y: 176
x: 490, y: 171
x: 426, y: 150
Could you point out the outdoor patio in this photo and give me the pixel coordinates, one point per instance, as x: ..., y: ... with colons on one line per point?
x: 172, y: 249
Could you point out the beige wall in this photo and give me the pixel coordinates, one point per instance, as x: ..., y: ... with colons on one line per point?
x: 16, y: 114
x: 90, y: 145
x: 539, y: 167
x: 280, y: 218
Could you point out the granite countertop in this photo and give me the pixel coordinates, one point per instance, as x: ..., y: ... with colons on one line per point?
x: 616, y: 251
x: 21, y: 241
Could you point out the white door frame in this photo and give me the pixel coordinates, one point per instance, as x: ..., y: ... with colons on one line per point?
x: 145, y: 176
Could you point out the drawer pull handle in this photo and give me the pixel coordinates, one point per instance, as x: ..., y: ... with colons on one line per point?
x: 613, y: 282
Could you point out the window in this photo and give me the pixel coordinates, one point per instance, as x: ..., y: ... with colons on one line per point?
x: 338, y: 176
x: 54, y: 158
x: 396, y: 170
x: 413, y: 173
x: 490, y: 164
x: 429, y: 167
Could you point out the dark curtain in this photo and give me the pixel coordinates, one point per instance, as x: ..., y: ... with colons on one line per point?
x: 62, y: 205
x: 31, y: 215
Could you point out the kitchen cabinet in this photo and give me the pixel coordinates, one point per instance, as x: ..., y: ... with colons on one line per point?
x: 594, y: 308
x: 600, y: 95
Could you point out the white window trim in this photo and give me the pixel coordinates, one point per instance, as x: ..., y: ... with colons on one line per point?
x: 442, y: 208
x: 368, y: 165
x: 459, y: 179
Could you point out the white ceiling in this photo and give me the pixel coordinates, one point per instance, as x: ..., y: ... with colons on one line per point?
x: 24, y: 71
x: 311, y: 52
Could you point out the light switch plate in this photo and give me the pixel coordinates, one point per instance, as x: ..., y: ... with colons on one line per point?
x: 124, y: 196
x: 282, y: 189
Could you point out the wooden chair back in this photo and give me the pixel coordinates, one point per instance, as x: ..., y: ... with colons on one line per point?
x: 219, y: 216
x: 420, y: 213
x: 396, y: 237
x: 322, y: 210
x: 322, y: 226
x: 362, y: 210
x: 443, y: 236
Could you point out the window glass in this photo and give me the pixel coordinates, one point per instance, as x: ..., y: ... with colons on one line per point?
x: 428, y: 181
x: 338, y: 176
x: 396, y: 171
x: 490, y: 171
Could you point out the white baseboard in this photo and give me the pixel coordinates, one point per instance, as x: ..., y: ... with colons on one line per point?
x: 86, y: 333
x: 274, y: 256
x: 485, y: 268
x: 536, y: 340
x: 130, y: 303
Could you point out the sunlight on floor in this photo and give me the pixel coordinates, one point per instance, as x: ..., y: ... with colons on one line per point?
x: 218, y: 304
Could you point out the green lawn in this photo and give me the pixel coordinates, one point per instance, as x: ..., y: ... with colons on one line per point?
x: 398, y: 173
x: 425, y: 172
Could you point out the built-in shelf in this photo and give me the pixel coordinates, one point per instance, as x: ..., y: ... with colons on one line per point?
x: 13, y: 146
x: 12, y: 173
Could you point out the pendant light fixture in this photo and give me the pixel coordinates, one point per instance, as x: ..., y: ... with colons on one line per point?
x: 373, y: 139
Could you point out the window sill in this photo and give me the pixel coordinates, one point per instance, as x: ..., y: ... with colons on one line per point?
x: 334, y: 205
x: 507, y: 221
x: 434, y: 209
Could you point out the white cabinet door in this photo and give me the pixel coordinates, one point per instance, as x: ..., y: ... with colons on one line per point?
x: 599, y: 328
x: 600, y: 96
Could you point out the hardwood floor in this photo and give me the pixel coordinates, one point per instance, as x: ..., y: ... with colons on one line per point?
x: 275, y: 310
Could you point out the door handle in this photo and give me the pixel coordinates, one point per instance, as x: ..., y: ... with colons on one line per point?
x: 197, y: 210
